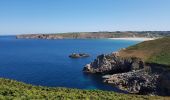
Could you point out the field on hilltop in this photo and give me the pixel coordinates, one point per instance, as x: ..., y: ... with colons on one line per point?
x: 154, y: 51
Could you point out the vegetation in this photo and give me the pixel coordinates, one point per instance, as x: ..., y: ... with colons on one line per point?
x: 155, y: 51
x: 13, y: 90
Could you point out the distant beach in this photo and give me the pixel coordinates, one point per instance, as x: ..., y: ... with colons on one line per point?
x: 134, y: 39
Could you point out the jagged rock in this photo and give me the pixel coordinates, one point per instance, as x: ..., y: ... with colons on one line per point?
x: 81, y: 55
x: 129, y: 74
x: 112, y: 63
x: 139, y: 82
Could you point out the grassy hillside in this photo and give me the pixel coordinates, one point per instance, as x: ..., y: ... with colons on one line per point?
x: 11, y: 90
x: 155, y: 51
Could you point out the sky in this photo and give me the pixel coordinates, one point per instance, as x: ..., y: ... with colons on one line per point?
x: 55, y: 16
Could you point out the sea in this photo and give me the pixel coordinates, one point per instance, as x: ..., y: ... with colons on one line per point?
x: 43, y: 62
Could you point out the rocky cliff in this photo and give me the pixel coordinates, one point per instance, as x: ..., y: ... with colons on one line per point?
x: 112, y: 63
x: 130, y: 74
x: 139, y: 82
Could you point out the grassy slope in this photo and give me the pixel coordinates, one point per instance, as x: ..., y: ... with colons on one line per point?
x: 10, y: 89
x: 155, y: 51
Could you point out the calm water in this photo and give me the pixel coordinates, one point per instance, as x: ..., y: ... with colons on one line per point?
x: 46, y: 62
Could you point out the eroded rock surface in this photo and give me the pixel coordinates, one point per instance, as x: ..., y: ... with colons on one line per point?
x: 112, y: 63
x: 139, y: 82
x: 129, y: 74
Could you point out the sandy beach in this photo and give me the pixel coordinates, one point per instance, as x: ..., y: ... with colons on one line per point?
x: 134, y: 39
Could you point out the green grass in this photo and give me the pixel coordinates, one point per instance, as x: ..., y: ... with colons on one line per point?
x: 13, y: 90
x: 155, y: 51
x: 162, y: 58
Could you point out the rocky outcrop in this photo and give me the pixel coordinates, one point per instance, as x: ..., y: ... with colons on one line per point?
x: 139, y: 82
x: 112, y: 63
x: 80, y: 55
x: 164, y: 78
x: 127, y: 73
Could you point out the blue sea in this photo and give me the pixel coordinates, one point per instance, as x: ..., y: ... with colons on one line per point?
x: 46, y: 62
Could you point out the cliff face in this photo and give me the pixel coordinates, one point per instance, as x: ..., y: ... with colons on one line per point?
x: 156, y: 54
x: 129, y: 73
x: 139, y: 82
x: 112, y: 63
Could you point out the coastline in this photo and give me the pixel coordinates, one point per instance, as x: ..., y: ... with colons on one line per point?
x: 134, y: 39
x: 136, y: 36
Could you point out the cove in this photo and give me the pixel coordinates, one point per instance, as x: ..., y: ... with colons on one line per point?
x: 46, y: 62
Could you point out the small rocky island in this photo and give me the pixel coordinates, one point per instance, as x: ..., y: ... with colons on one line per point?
x: 79, y: 55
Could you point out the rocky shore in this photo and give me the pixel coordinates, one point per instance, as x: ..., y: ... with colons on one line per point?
x: 130, y: 74
x: 139, y: 82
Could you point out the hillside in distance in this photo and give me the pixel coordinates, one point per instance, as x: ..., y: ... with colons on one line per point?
x: 94, y: 35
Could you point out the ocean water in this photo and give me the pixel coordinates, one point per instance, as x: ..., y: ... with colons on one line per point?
x: 46, y: 62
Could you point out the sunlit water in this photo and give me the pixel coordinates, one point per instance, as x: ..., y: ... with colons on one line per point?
x: 46, y: 62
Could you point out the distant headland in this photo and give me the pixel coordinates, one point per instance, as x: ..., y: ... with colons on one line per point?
x: 98, y: 35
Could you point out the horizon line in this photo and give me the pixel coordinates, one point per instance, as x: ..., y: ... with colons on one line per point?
x: 10, y: 34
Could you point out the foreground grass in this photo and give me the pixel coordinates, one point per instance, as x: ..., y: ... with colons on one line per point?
x: 13, y: 90
x: 155, y: 51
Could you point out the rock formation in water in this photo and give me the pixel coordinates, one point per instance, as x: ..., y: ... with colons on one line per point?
x: 139, y: 82
x: 80, y: 55
x: 112, y: 63
x: 129, y: 74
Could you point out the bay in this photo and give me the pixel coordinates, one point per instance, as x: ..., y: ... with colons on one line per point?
x: 46, y: 62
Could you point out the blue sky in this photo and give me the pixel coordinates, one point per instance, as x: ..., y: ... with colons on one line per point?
x: 50, y: 16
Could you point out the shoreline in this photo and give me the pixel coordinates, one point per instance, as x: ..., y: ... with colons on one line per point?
x: 134, y: 39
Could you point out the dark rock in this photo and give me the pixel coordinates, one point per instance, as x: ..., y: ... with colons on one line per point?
x: 132, y: 74
x: 164, y: 79
x: 139, y: 82
x: 129, y: 73
x: 81, y: 55
x: 164, y: 83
